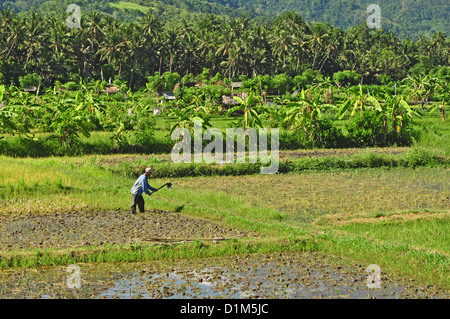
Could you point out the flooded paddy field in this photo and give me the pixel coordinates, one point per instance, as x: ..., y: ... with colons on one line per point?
x: 80, y: 229
x: 275, y: 276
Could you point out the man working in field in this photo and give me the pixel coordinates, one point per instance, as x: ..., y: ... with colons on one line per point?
x: 141, y: 186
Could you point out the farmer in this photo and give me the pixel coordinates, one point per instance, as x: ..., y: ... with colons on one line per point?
x: 141, y: 186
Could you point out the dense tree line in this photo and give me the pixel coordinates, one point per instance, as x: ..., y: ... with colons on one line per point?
x: 238, y: 48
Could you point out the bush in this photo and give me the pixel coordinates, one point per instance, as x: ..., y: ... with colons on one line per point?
x: 145, y: 130
x: 421, y: 157
x: 442, y: 74
x: 323, y: 134
x: 216, y: 78
x: 280, y: 82
x: 330, y: 136
x: 367, y: 129
x: 72, y: 86
x: 425, y: 66
x: 170, y: 80
x: 187, y: 78
x: 257, y: 82
x: 347, y: 78
x: 307, y: 78
x: 205, y: 75
x: 386, y: 79
x: 363, y: 160
x: 29, y: 80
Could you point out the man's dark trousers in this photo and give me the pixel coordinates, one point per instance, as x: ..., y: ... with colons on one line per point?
x: 139, y: 200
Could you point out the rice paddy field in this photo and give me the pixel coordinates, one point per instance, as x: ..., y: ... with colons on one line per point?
x: 325, y: 227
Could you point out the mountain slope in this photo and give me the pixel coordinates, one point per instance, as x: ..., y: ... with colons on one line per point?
x: 405, y: 17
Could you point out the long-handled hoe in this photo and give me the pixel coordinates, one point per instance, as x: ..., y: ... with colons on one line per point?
x: 169, y: 186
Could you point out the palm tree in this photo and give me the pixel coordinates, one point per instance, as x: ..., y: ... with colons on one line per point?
x: 231, y: 63
x: 14, y: 36
x: 151, y: 26
x: 294, y: 22
x: 189, y: 50
x: 299, y: 48
x: 332, y: 46
x: 171, y: 44
x: 258, y: 47
x: 208, y: 48
x: 281, y: 44
x: 34, y: 30
x: 133, y: 45
x: 94, y: 34
x: 317, y: 41
x: 57, y: 49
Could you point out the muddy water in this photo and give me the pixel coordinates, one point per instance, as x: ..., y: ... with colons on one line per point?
x: 277, y: 276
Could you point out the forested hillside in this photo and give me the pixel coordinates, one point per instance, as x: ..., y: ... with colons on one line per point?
x: 410, y: 18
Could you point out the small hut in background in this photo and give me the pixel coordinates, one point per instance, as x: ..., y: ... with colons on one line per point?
x: 227, y: 103
x: 30, y: 89
x: 235, y: 85
x: 111, y: 90
x: 220, y: 82
x: 169, y: 96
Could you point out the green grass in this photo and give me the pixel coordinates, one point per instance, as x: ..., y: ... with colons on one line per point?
x: 135, y: 253
x: 121, y: 5
x: 422, y: 265
x: 429, y: 233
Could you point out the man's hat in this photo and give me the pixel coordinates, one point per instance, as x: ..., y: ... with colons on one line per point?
x: 148, y: 169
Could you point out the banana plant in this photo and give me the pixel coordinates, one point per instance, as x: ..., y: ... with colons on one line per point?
x: 420, y: 88
x: 443, y: 90
x: 68, y: 121
x: 94, y: 107
x: 396, y: 110
x: 251, y: 117
x: 305, y: 115
x: 119, y: 136
x: 27, y: 112
x: 6, y: 124
x: 309, y: 103
x: 359, y: 101
x: 187, y: 117
x: 276, y: 116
